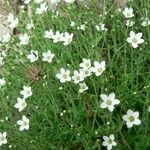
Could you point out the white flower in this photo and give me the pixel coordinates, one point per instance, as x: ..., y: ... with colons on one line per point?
x: 38, y: 1
x: 49, y: 34
x: 109, y: 141
x: 21, y: 104
x: 130, y: 23
x: 26, y: 92
x: 128, y: 12
x: 101, y: 27
x: 24, y: 39
x: 55, y: 1
x: 131, y: 118
x: 5, y: 38
x: 27, y: 1
x: 83, y: 87
x: 24, y: 123
x: 43, y: 8
x: 57, y: 37
x: 86, y: 72
x: 33, y: 56
x: 98, y: 68
x: 2, y: 82
x: 30, y: 25
x: 64, y: 75
x: 86, y: 63
x: 48, y: 56
x: 3, y: 139
x: 72, y: 24
x: 12, y: 21
x: 135, y: 39
x: 69, y: 1
x: 146, y: 22
x: 81, y: 27
x: 109, y: 101
x: 67, y: 38
x: 78, y: 76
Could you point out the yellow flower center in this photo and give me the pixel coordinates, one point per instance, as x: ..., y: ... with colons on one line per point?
x: 110, y: 141
x: 25, y: 123
x: 99, y: 70
x: 134, y: 40
x: 23, y: 104
x: 131, y: 118
x: 77, y: 78
x: 65, y: 76
x: 109, y: 102
x: 2, y: 138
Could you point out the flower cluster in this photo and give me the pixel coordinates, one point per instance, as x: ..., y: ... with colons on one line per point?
x: 101, y: 27
x: 78, y: 27
x: 21, y: 104
x: 42, y: 9
x: 145, y: 22
x: 12, y: 21
x: 66, y: 38
x: 79, y: 76
x: 47, y: 56
x: 109, y: 101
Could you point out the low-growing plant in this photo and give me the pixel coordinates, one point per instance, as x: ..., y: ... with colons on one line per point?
x: 76, y: 78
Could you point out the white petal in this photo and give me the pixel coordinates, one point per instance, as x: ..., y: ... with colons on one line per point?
x: 125, y: 117
x: 112, y: 96
x: 136, y: 114
x: 103, y: 105
x: 139, y: 35
x: 105, y: 138
x: 19, y: 122
x: 105, y: 143
x: 5, y: 141
x: 130, y: 112
x: 116, y: 101
x: 129, y: 40
x: 104, y: 97
x: 137, y: 122
x: 134, y: 45
x: 129, y: 124
x: 114, y: 143
x: 140, y: 41
x: 112, y: 137
x: 132, y: 34
x: 111, y: 108
x: 21, y: 128
x: 109, y: 147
